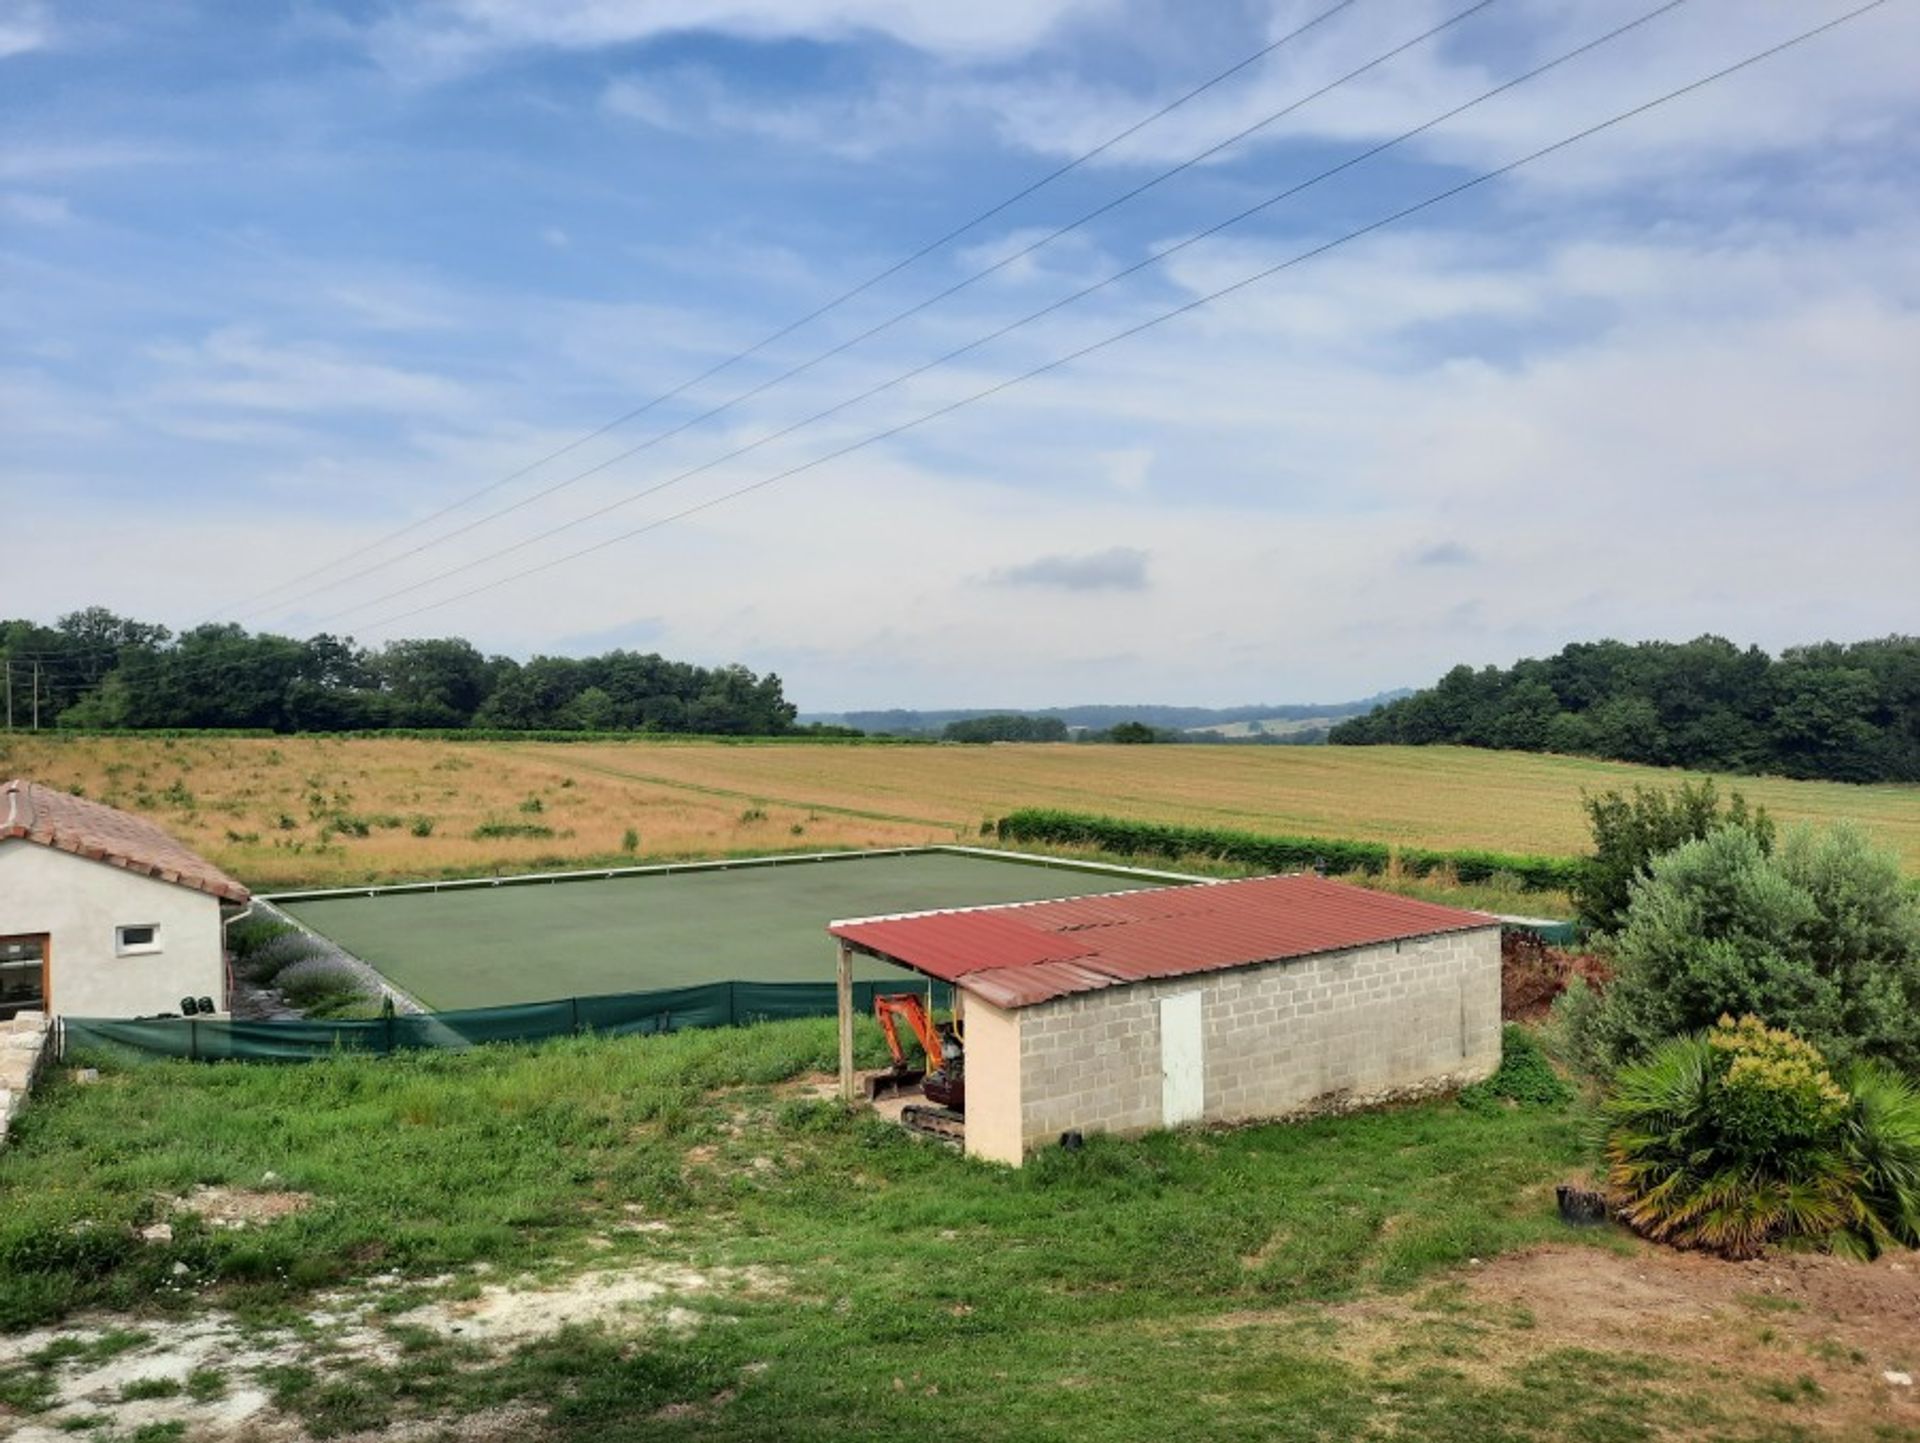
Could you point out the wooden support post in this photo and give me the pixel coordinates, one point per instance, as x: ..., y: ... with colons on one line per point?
x: 845, y: 979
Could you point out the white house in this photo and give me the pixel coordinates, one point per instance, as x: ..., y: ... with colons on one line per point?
x: 102, y: 914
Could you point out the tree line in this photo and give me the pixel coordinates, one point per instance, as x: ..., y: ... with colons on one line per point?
x: 96, y: 669
x: 1841, y: 711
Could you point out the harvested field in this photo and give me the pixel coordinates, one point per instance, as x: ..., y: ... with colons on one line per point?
x: 292, y: 811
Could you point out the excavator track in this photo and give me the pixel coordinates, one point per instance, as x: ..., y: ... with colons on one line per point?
x: 941, y: 1122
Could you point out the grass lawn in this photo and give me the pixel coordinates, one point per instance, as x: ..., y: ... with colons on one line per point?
x: 822, y: 1275
x: 487, y: 947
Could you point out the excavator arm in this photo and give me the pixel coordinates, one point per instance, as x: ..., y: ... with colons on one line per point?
x: 889, y: 1006
x: 941, y: 1082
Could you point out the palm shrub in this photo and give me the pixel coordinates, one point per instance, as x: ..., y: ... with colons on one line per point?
x: 1883, y: 1144
x: 1740, y: 1136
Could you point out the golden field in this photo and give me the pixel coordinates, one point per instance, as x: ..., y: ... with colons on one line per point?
x: 271, y: 809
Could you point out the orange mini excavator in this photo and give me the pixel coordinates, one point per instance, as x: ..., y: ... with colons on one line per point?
x: 942, y: 1081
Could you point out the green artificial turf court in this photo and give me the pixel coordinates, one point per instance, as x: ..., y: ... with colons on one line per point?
x: 531, y: 942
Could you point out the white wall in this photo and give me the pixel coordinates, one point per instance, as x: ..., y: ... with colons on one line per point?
x: 80, y: 903
x: 1325, y: 1033
x: 992, y: 1035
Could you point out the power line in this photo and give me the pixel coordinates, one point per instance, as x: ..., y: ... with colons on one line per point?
x: 893, y: 320
x: 835, y: 303
x: 1152, y: 259
x: 1160, y: 319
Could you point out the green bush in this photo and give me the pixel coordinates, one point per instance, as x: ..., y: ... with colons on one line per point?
x: 269, y: 958
x: 1629, y: 832
x: 249, y: 934
x: 1820, y: 936
x: 495, y: 829
x: 1524, y: 1076
x: 1731, y: 1139
x: 1277, y: 853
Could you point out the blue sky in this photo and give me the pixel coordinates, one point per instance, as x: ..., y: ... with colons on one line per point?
x: 281, y: 279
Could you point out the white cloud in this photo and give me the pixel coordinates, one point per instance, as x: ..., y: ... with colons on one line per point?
x: 40, y: 160
x: 235, y: 368
x: 34, y: 209
x: 1128, y: 468
x: 1844, y: 86
x: 24, y: 25
x: 453, y: 35
x: 853, y: 125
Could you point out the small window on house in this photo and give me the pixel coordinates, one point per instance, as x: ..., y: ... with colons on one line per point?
x: 132, y: 941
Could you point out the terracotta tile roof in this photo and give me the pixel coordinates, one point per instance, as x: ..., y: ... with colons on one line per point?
x: 37, y: 813
x: 1015, y: 956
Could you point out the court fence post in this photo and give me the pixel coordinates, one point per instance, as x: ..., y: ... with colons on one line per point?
x: 573, y: 1004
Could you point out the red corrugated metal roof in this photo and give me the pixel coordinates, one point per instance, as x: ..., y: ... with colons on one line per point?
x: 1015, y: 956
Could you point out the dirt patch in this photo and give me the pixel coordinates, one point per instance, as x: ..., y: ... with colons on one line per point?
x: 813, y: 1086
x: 349, y: 1327
x: 493, y: 1424
x: 646, y: 1295
x: 1818, y: 1334
x: 169, y: 1351
x: 234, y: 1207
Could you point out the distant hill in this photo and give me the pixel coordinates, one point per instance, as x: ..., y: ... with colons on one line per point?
x: 1216, y: 723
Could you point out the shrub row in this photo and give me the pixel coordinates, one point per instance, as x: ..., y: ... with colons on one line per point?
x: 1279, y: 854
x: 309, y: 971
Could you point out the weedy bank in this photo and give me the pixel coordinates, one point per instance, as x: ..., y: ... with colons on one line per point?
x: 684, y: 1236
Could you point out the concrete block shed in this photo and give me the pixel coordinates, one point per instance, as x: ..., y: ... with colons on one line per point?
x: 102, y: 914
x: 1215, y: 1002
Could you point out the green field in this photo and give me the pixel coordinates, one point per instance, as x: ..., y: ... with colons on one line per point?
x: 487, y: 947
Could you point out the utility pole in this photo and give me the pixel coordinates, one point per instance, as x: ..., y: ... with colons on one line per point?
x: 9, y: 665
x: 36, y: 693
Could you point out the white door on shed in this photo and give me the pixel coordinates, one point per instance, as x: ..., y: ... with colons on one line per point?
x: 1183, y: 1062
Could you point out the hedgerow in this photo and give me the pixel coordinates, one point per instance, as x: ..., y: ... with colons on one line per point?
x: 1280, y: 853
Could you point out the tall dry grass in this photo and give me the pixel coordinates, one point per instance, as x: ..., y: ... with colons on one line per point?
x: 295, y: 811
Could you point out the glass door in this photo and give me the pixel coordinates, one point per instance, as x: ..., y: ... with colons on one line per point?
x: 23, y: 975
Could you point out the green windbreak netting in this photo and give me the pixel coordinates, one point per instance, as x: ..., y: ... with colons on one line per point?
x: 1554, y: 934
x: 669, y: 1009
